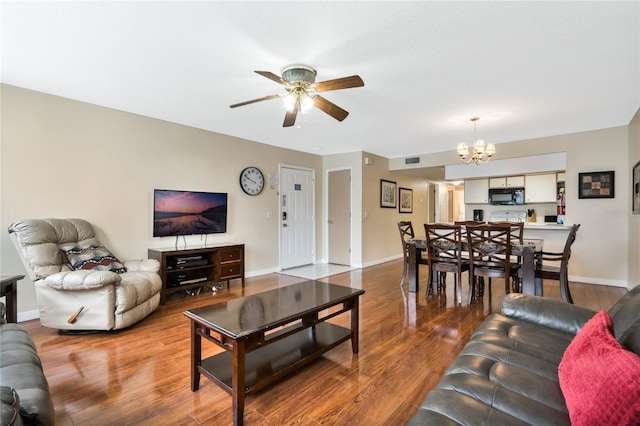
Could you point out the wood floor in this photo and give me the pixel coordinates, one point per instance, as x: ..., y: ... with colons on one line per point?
x: 140, y: 375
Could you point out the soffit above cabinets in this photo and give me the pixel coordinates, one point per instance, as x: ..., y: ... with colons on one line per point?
x: 507, y: 167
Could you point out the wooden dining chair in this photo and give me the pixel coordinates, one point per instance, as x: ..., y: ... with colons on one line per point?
x: 489, y: 248
x: 406, y: 233
x: 444, y: 254
x: 517, y: 237
x: 468, y: 222
x: 559, y: 273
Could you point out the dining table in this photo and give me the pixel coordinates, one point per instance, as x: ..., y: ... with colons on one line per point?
x: 530, y: 250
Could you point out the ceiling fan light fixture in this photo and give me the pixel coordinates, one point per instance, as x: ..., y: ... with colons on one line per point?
x: 306, y: 103
x: 290, y: 101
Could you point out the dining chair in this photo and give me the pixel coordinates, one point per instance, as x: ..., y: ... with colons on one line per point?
x: 489, y: 248
x: 406, y: 233
x: 517, y: 237
x: 444, y: 254
x: 559, y: 273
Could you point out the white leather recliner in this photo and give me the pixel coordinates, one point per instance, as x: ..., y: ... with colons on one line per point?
x: 72, y: 272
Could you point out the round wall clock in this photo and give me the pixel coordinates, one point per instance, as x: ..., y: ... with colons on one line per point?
x: 252, y: 180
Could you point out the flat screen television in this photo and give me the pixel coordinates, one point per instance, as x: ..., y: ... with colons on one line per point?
x: 188, y: 213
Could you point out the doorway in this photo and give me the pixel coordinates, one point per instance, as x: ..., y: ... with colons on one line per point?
x: 297, y: 216
x: 339, y: 217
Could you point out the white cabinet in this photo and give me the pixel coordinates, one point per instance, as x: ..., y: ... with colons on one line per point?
x: 476, y: 191
x: 507, y: 182
x: 561, y: 176
x: 540, y: 188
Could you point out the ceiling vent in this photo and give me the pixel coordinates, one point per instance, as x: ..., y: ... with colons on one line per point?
x: 412, y: 160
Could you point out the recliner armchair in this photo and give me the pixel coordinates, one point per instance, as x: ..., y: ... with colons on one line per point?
x: 79, y: 284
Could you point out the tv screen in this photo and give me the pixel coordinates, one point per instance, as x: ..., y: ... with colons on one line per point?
x: 188, y: 213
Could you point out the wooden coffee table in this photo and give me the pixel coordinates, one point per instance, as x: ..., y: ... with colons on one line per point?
x: 269, y: 335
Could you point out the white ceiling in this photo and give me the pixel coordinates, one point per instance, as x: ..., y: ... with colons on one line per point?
x: 527, y: 69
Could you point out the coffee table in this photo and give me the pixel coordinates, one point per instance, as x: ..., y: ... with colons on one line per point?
x: 269, y: 335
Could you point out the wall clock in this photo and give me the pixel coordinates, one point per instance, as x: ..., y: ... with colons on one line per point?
x: 252, y: 180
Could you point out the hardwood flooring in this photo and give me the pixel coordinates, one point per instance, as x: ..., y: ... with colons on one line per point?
x: 140, y: 375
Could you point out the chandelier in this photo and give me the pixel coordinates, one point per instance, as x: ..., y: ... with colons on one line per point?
x: 481, y: 153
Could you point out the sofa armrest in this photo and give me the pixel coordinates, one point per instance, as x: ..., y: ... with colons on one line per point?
x: 142, y: 265
x: 81, y: 280
x: 546, y: 312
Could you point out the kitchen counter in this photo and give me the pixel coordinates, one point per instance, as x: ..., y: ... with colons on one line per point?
x: 542, y: 226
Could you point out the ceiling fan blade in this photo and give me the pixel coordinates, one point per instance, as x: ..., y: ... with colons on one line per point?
x: 339, y: 83
x: 266, y: 98
x: 330, y: 108
x: 290, y: 117
x: 272, y: 76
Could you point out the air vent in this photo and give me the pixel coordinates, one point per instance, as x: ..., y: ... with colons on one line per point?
x: 412, y: 160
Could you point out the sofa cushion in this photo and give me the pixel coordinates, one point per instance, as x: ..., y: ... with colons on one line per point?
x: 9, y: 407
x: 599, y: 377
x: 21, y: 369
x: 95, y: 257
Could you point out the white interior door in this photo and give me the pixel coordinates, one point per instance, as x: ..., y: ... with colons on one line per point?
x: 339, y: 220
x: 297, y: 217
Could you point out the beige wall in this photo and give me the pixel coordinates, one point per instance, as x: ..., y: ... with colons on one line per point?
x: 380, y: 237
x: 63, y: 158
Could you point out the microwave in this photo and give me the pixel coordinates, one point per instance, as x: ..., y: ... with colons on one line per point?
x: 506, y: 196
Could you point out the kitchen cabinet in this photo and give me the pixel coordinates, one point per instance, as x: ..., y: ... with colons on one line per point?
x: 540, y: 188
x: 507, y: 182
x: 561, y: 176
x: 476, y: 191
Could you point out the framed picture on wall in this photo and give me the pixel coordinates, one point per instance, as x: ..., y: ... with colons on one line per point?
x: 596, y: 185
x: 405, y: 197
x: 635, y: 188
x: 387, y: 194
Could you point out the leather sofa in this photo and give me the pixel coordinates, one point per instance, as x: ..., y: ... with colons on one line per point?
x: 74, y: 274
x: 24, y: 392
x: 515, y: 368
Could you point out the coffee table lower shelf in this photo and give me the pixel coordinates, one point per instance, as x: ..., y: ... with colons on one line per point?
x: 275, y: 360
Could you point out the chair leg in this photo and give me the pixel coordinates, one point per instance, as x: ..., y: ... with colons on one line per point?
x: 405, y: 269
x: 516, y: 285
x: 564, y: 289
x: 443, y: 281
x: 457, y: 282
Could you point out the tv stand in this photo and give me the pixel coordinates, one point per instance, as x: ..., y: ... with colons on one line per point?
x: 188, y: 268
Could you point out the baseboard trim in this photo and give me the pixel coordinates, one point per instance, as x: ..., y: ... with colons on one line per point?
x: 383, y: 260
x: 599, y: 281
x: 28, y: 315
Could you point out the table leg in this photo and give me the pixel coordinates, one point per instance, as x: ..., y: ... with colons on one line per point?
x: 528, y: 271
x: 414, y: 277
x: 12, y: 302
x: 355, y: 324
x: 9, y: 289
x: 538, y: 279
x: 237, y: 381
x: 196, y: 356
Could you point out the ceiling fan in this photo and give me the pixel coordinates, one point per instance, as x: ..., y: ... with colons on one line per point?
x: 302, y: 92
